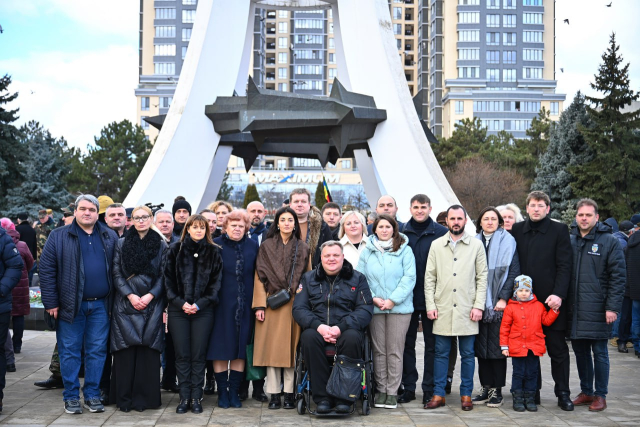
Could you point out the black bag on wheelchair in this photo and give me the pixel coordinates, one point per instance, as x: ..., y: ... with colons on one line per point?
x: 345, y: 381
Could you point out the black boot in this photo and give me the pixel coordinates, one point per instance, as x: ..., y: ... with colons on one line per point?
x: 564, y: 401
x: 482, y: 397
x: 529, y: 401
x: 183, y: 406
x: 495, y: 398
x: 276, y: 402
x: 51, y: 382
x: 196, y: 406
x: 289, y: 401
x: 235, y: 379
x: 537, y: 398
x: 518, y: 401
x: 223, y: 389
x: 208, y: 387
x: 622, y: 347
x: 258, y: 391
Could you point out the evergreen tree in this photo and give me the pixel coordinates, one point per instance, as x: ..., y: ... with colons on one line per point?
x: 611, y: 177
x: 11, y: 152
x: 469, y: 139
x: 225, y: 188
x: 320, y: 200
x: 45, y: 167
x: 567, y: 148
x: 119, y: 153
x: 251, y: 195
x: 525, y: 153
x: 79, y: 179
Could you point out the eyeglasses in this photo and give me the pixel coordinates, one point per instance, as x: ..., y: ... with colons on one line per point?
x: 142, y: 218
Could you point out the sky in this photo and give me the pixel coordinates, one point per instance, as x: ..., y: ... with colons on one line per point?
x: 75, y: 62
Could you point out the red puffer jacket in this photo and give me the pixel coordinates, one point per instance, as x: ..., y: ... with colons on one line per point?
x: 521, y: 328
x: 20, y: 305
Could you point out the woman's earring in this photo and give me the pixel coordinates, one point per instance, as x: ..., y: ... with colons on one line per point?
x: 278, y: 227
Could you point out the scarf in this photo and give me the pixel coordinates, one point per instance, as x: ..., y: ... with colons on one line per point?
x: 138, y: 253
x: 383, y: 247
x: 239, y: 250
x: 275, y: 262
x: 500, y: 252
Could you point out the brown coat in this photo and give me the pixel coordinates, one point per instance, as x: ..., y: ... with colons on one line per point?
x: 277, y: 337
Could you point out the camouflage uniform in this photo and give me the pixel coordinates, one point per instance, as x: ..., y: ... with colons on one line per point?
x: 54, y: 366
x: 42, y: 233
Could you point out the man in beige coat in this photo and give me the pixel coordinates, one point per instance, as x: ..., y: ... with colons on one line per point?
x: 455, y: 287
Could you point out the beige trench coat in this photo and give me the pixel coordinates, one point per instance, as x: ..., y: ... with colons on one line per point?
x: 455, y: 282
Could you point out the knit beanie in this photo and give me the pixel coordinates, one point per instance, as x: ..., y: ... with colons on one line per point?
x: 523, y: 282
x: 181, y: 204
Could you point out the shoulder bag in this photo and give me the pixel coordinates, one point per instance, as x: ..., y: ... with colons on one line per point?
x: 283, y: 296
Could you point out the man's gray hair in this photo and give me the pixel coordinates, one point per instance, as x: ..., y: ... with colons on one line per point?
x: 164, y: 211
x: 88, y: 198
x: 330, y: 243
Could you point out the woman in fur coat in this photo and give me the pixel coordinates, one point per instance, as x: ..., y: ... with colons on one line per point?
x: 192, y: 280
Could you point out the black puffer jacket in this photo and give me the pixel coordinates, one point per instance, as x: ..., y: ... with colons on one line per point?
x: 129, y: 326
x: 597, y: 282
x: 347, y: 303
x: 633, y: 267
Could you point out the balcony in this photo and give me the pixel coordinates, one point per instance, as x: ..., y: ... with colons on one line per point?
x: 271, y: 61
x: 271, y: 45
x: 271, y: 14
x: 271, y: 30
x: 408, y: 47
x: 408, y: 17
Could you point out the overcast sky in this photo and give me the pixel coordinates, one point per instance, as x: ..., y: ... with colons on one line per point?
x: 75, y: 62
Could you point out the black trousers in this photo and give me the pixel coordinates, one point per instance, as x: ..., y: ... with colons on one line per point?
x: 169, y: 374
x: 409, y: 359
x: 560, y: 361
x: 348, y: 344
x: 624, y: 326
x: 492, y: 372
x: 190, y: 333
x: 105, y: 380
x: 136, y: 372
x: 5, y: 318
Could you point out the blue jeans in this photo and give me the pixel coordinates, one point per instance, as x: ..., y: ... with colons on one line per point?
x: 635, y: 324
x: 91, y: 328
x: 586, y: 365
x: 441, y: 364
x: 525, y: 372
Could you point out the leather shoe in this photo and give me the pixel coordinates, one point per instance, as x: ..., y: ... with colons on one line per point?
x: 343, y: 407
x: 260, y: 396
x: 275, y: 403
x: 622, y: 347
x: 564, y: 401
x: 243, y: 395
x: 599, y: 404
x: 466, y: 403
x: 104, y: 396
x: 289, y: 401
x: 11, y: 367
x: 435, y: 402
x: 196, y: 406
x: 426, y: 398
x: 183, y: 406
x: 583, y: 400
x: 209, y: 387
x: 49, y: 383
x: 324, y: 407
x: 407, y: 396
x: 125, y: 409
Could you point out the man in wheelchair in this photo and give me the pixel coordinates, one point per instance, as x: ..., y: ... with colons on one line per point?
x: 333, y: 305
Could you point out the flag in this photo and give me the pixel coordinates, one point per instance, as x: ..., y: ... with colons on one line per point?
x: 327, y: 194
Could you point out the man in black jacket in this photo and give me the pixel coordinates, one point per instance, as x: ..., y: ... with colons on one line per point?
x: 313, y: 230
x: 544, y: 250
x: 27, y: 233
x: 421, y: 231
x: 595, y: 300
x: 333, y: 305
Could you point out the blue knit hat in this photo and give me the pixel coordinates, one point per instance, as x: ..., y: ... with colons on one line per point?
x: 523, y: 282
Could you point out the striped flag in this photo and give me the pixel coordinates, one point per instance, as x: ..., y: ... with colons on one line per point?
x: 327, y: 194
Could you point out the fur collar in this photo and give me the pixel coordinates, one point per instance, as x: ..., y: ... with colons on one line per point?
x: 315, y: 225
x: 138, y: 254
x: 345, y: 273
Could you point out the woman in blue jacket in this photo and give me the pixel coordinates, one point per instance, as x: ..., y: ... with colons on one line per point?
x: 390, y: 268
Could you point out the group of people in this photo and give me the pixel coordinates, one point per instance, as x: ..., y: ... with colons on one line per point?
x: 186, y: 294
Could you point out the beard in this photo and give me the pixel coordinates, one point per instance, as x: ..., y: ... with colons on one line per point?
x: 456, y: 232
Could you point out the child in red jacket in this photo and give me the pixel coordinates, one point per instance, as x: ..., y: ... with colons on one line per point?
x: 521, y: 338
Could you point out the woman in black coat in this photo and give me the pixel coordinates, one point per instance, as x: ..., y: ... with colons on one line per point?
x: 503, y: 265
x: 192, y: 280
x: 137, y: 331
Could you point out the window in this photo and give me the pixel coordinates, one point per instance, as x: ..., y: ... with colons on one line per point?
x: 165, y: 31
x: 467, y: 36
x: 164, y: 50
x: 469, y: 54
x: 144, y: 103
x: 509, y: 75
x: 509, y: 39
x: 309, y: 85
x: 331, y: 28
x: 399, y: 44
x: 459, y: 107
x: 165, y: 13
x: 282, y: 58
x: 509, y: 21
x: 184, y: 51
x: 493, y: 74
x: 397, y: 13
x: 528, y: 106
x: 309, y: 23
x: 165, y: 101
x: 493, y: 4
x: 143, y: 124
x: 532, y: 2
x: 469, y: 2
x: 283, y: 87
x: 186, y: 34
x: 282, y: 73
x: 532, y: 18
x: 531, y: 73
x: 555, y: 108
x: 308, y: 39
x: 468, y: 72
x: 493, y: 20
x: 332, y: 58
x: 346, y: 164
x: 493, y: 39
x: 283, y: 42
x: 333, y: 73
x: 283, y: 14
x: 188, y: 16
x: 281, y: 164
x: 493, y: 57
x: 166, y: 68
x: 308, y: 54
x: 332, y: 43
x: 308, y: 69
x: 468, y: 17
x: 189, y: 2
x: 520, y: 125
x: 397, y: 29
x: 532, y: 36
x: 509, y: 4
x: 481, y: 106
x: 532, y: 54
x: 496, y: 125
x: 283, y: 27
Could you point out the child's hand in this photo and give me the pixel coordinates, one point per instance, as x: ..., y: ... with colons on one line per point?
x: 505, y: 352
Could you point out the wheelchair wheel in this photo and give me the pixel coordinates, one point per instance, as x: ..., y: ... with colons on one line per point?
x: 366, y: 409
x: 301, y: 406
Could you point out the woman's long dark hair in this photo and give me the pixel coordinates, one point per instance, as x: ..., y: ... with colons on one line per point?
x: 396, y: 239
x: 484, y: 211
x: 275, y: 231
x: 197, y: 219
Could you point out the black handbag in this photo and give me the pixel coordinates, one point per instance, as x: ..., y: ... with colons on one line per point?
x: 346, y: 379
x: 283, y: 296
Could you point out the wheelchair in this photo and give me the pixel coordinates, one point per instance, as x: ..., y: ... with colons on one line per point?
x: 302, y: 381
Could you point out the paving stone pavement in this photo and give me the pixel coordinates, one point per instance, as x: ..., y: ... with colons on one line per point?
x: 26, y: 404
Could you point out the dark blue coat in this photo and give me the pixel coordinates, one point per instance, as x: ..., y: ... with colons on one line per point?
x: 231, y: 334
x: 420, y: 244
x: 10, y: 270
x: 62, y: 270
